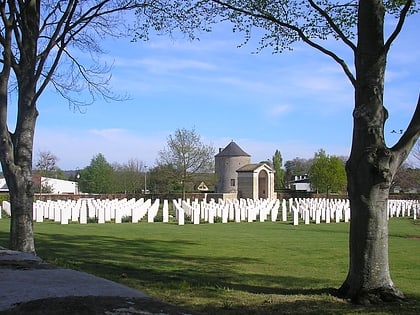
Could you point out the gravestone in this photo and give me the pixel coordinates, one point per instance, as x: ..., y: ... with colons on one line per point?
x: 6, y: 207
x: 165, y: 211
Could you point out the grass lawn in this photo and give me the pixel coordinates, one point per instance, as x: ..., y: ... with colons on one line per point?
x: 246, y: 268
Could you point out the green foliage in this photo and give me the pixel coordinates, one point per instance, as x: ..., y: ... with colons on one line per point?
x: 327, y: 173
x: 164, y: 179
x: 279, y: 175
x: 97, y: 177
x: 4, y: 197
x: 129, y: 177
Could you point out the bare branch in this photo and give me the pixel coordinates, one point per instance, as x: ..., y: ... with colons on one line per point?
x: 72, y: 27
x: 399, y: 26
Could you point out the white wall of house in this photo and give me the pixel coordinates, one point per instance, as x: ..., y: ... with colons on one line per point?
x: 60, y: 186
x: 301, y: 186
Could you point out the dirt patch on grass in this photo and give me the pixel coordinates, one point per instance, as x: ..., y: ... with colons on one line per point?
x: 413, y: 237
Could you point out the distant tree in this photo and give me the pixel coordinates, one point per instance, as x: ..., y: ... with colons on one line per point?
x: 129, y: 177
x: 46, y: 163
x: 164, y: 179
x: 97, y: 177
x: 187, y: 154
x: 327, y: 173
x: 406, y: 179
x: 279, y: 175
x: 320, y: 173
x: 46, y: 166
x: 339, y: 181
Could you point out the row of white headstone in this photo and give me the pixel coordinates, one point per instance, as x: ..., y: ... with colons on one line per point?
x: 101, y: 211
x: 404, y: 208
x: 304, y: 210
x: 227, y: 210
x: 319, y: 210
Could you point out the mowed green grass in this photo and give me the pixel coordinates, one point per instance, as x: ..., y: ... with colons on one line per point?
x: 246, y: 268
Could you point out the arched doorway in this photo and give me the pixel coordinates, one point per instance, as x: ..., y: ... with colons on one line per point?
x: 263, y: 184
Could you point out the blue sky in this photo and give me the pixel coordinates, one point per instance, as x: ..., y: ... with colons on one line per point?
x: 297, y: 102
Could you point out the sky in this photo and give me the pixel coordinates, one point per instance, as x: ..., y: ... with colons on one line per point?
x: 296, y: 102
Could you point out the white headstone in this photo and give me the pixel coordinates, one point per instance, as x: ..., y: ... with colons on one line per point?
x: 295, y: 215
x: 165, y: 211
x: 6, y: 207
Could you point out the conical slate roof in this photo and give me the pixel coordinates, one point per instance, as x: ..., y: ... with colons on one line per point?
x: 232, y: 149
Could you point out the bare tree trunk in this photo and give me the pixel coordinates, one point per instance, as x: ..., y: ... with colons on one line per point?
x: 16, y: 148
x: 16, y: 159
x: 370, y: 168
x: 17, y: 168
x: 369, y: 278
x: 21, y: 227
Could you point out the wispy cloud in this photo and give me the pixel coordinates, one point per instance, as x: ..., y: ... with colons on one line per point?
x: 279, y: 110
x: 77, y: 148
x: 161, y: 65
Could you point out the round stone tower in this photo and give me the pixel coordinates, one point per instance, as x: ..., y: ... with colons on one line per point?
x: 227, y: 161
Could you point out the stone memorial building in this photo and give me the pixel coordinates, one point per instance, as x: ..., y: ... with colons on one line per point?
x: 239, y: 178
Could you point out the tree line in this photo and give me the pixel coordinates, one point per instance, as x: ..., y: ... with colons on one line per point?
x: 176, y: 172
x: 181, y: 166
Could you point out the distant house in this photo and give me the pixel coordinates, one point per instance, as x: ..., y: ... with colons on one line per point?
x: 202, y: 187
x: 60, y: 186
x: 57, y: 186
x: 300, y: 183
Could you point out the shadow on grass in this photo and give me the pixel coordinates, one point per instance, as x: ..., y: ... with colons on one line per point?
x: 173, y: 271
x: 170, y: 270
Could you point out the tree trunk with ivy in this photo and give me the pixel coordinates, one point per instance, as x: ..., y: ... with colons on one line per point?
x: 371, y: 166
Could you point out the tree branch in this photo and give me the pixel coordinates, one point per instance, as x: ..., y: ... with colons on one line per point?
x: 334, y: 26
x: 299, y: 32
x: 67, y: 29
x: 399, y: 26
x: 403, y: 147
x: 55, y: 37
